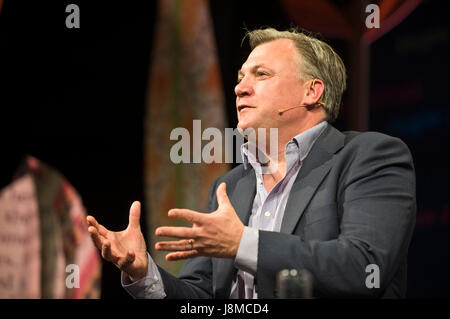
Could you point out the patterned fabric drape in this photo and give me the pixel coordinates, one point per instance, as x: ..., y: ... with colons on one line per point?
x: 184, y: 85
x: 43, y: 229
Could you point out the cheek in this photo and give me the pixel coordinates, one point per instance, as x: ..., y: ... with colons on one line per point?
x: 278, y: 95
x: 290, y: 91
x: 267, y: 93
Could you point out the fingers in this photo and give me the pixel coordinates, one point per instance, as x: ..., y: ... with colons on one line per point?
x: 187, y: 215
x: 97, y: 231
x: 183, y: 249
x: 135, y: 215
x: 93, y: 222
x: 174, y: 245
x: 179, y: 232
x: 182, y: 255
x: 96, y: 238
x: 222, y: 197
x: 106, y: 252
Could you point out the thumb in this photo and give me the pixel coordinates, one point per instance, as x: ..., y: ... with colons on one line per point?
x: 222, y: 197
x: 135, y: 215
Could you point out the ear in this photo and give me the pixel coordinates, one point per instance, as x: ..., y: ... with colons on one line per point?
x: 313, y: 91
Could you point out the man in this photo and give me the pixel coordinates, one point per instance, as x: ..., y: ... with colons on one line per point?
x: 334, y: 204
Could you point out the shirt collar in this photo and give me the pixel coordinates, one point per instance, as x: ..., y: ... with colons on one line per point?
x: 303, y: 143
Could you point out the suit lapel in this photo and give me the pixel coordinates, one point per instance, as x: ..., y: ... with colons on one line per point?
x: 314, y: 169
x: 243, y: 195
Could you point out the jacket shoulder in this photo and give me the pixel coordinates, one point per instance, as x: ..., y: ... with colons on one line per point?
x: 371, y: 138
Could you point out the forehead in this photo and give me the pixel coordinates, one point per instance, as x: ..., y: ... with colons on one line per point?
x: 281, y: 52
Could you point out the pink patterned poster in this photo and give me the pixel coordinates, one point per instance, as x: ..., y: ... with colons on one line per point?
x: 20, y: 247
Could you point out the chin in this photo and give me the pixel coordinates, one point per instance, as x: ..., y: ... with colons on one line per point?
x: 243, y: 126
x: 240, y: 125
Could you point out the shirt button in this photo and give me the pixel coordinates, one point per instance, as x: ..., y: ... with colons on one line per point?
x: 153, y: 287
x: 156, y: 278
x: 267, y: 214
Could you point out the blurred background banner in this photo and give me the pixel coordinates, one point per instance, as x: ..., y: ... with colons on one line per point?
x: 184, y: 85
x: 20, y: 242
x: 45, y: 249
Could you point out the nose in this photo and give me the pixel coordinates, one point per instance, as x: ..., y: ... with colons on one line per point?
x: 243, y: 88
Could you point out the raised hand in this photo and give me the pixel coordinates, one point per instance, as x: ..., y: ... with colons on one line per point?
x: 217, y: 234
x: 125, y: 249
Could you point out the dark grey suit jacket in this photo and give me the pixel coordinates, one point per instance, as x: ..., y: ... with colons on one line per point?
x: 352, y: 204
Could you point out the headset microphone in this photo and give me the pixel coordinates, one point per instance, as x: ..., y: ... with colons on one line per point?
x: 281, y: 111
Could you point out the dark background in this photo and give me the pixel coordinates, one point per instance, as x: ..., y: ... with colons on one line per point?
x: 75, y: 99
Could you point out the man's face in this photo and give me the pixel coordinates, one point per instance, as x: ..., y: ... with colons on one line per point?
x: 269, y: 81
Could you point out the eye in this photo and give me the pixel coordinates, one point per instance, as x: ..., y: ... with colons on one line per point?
x: 262, y: 74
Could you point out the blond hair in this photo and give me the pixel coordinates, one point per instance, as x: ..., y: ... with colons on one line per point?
x: 319, y: 61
